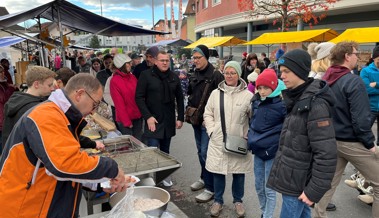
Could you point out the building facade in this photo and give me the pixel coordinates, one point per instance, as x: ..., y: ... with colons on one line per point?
x: 224, y: 18
x: 127, y: 43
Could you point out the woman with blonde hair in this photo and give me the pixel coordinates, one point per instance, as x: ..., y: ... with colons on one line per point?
x: 322, y: 61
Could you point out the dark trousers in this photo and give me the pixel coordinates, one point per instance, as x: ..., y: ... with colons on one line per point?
x: 162, y: 144
x: 135, y: 131
x: 202, y: 140
x: 114, y: 118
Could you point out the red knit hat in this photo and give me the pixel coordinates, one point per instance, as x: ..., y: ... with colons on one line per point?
x: 267, y: 78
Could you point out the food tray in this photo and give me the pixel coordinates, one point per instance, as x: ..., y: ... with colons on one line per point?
x: 144, y: 161
x: 119, y: 144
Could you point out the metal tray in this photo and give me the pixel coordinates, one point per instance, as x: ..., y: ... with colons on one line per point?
x: 145, y: 161
x: 135, y: 158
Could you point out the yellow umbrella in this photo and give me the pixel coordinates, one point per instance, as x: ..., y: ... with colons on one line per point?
x: 360, y: 35
x: 320, y: 35
x: 211, y: 42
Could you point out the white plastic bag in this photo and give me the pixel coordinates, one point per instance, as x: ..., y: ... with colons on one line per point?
x: 125, y: 207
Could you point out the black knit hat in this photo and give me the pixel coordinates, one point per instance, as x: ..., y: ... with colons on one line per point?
x: 375, y: 52
x: 202, y: 49
x: 298, y: 61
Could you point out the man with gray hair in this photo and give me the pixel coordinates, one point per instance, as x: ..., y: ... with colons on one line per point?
x: 42, y: 160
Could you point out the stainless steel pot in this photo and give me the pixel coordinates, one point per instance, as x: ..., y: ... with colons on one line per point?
x: 146, y: 192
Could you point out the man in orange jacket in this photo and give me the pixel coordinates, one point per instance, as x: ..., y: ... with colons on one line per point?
x: 42, y: 167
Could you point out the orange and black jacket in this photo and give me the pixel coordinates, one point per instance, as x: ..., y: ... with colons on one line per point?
x: 42, y: 167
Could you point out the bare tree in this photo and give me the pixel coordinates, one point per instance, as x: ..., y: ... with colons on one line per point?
x: 287, y: 12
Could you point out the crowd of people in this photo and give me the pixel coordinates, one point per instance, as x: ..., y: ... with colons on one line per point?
x: 303, y: 116
x: 306, y: 117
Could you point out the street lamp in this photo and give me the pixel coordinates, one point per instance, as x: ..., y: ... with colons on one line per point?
x: 152, y: 10
x: 101, y: 7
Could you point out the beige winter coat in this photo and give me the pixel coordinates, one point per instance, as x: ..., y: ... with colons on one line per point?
x: 237, y: 114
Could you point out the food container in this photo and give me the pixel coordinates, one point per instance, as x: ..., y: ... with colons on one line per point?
x: 145, y: 192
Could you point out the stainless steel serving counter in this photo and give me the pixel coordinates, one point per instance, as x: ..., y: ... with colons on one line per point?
x: 134, y: 158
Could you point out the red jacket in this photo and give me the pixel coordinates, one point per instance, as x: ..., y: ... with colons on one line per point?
x: 123, y: 90
x: 5, y: 93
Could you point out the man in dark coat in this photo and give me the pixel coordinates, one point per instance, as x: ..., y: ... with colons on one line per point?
x: 304, y: 165
x: 148, y: 63
x: 204, y: 74
x: 158, y: 89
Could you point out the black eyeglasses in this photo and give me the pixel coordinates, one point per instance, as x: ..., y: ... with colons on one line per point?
x: 230, y: 74
x: 197, y: 57
x: 95, y: 103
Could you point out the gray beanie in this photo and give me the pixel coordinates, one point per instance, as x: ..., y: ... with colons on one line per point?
x: 235, y: 65
x: 298, y: 61
x: 153, y: 51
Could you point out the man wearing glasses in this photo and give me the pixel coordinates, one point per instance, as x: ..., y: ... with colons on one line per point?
x: 204, y: 74
x: 158, y: 89
x: 352, y: 124
x: 42, y: 166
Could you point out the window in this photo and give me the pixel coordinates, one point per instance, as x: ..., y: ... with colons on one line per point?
x: 205, y: 4
x: 216, y: 2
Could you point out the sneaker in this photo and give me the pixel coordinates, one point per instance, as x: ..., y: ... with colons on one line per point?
x: 204, y: 197
x: 198, y: 185
x: 351, y: 183
x: 167, y: 182
x: 216, y: 209
x: 368, y: 199
x: 240, y: 210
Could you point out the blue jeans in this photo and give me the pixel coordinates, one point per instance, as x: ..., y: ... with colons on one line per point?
x: 266, y: 196
x: 292, y: 207
x: 202, y: 140
x: 238, y: 187
x: 162, y: 144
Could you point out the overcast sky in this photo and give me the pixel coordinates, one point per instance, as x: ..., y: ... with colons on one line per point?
x: 126, y: 11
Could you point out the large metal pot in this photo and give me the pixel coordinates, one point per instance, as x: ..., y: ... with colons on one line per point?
x: 146, y: 192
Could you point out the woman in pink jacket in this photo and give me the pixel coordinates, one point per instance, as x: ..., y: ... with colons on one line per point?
x: 123, y: 88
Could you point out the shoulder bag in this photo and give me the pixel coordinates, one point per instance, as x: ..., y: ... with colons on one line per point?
x: 232, y: 144
x: 192, y: 114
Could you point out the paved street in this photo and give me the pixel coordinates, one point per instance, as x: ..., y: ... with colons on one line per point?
x: 184, y: 149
